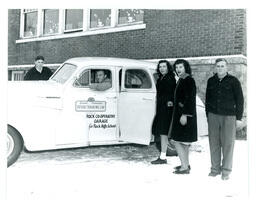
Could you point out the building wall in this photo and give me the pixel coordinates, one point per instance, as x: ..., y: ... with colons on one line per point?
x: 198, y: 35
x: 168, y: 34
x: 204, y: 67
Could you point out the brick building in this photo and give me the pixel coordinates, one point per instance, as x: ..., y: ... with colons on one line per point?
x: 197, y: 35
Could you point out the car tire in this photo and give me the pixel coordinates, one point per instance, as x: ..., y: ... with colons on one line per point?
x: 14, y: 145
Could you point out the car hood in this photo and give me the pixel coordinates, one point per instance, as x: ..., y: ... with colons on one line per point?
x: 28, y: 91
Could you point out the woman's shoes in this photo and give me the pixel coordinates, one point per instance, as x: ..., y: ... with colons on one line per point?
x: 186, y: 171
x: 179, y: 167
x: 159, y: 161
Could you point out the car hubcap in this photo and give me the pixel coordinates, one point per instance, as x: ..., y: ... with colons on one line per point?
x: 10, y: 145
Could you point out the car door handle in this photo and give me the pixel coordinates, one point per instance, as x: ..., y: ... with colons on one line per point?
x: 49, y: 97
x: 147, y: 99
x: 112, y: 97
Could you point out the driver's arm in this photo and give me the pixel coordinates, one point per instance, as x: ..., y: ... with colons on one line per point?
x: 101, y: 86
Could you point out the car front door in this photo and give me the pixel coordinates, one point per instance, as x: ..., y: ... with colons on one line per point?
x: 136, y: 105
x: 89, y: 116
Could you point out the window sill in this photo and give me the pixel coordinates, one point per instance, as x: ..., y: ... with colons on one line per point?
x: 85, y: 33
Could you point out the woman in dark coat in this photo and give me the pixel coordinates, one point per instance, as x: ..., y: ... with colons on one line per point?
x: 183, y: 129
x: 165, y: 86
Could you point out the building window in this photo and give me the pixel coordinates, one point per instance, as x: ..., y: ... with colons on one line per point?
x: 30, y: 22
x: 100, y: 18
x: 127, y: 16
x: 45, y: 24
x: 51, y: 21
x: 73, y: 19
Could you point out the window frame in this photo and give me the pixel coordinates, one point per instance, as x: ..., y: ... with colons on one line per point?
x: 22, y: 23
x: 129, y: 23
x: 99, y: 28
x: 79, y: 76
x: 94, y: 69
x: 84, y: 31
x: 43, y: 23
x: 65, y: 20
x: 137, y: 89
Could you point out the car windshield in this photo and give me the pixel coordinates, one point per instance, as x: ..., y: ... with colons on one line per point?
x: 64, y: 73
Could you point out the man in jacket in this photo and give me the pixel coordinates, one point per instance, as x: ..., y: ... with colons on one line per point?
x: 224, y: 109
x: 38, y: 72
x: 103, y: 82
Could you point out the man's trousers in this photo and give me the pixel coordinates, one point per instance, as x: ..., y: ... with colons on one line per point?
x: 222, y: 133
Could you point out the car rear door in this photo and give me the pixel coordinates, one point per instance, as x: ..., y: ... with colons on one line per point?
x: 136, y: 105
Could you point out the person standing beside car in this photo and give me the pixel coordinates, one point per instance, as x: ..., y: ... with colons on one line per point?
x: 183, y: 129
x: 165, y: 86
x: 224, y: 110
x: 38, y: 72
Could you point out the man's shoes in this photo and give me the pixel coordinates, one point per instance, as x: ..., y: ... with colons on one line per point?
x: 186, y: 171
x: 224, y: 177
x: 159, y: 161
x: 213, y: 174
x: 178, y: 167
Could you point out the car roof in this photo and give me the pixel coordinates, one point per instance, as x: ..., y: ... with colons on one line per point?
x: 87, y: 61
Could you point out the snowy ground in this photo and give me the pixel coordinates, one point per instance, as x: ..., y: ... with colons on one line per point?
x: 123, y: 174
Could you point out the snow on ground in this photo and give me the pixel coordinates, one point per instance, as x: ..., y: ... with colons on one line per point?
x: 123, y: 174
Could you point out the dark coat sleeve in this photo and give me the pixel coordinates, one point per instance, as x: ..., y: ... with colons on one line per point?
x: 239, y: 98
x: 49, y: 72
x: 170, y: 87
x: 207, y: 99
x: 167, y: 91
x: 189, y: 97
x: 28, y: 75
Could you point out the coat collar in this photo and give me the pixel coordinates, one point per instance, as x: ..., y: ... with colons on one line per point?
x: 217, y: 78
x: 183, y: 76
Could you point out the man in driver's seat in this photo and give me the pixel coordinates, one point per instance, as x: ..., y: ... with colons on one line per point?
x: 102, y: 81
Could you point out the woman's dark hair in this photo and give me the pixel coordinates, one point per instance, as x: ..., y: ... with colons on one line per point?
x: 169, y: 67
x: 185, y: 64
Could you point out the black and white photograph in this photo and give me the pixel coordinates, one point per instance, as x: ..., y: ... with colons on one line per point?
x: 127, y: 104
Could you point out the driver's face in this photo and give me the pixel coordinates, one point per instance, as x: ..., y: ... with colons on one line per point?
x: 100, y: 76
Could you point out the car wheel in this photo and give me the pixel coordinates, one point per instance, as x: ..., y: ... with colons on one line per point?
x: 14, y: 145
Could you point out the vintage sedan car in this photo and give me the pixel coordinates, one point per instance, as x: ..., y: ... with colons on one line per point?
x: 64, y: 112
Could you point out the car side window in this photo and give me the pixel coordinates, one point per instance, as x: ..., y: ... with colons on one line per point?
x: 101, y: 79
x: 83, y: 79
x: 137, y: 79
x: 96, y: 75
